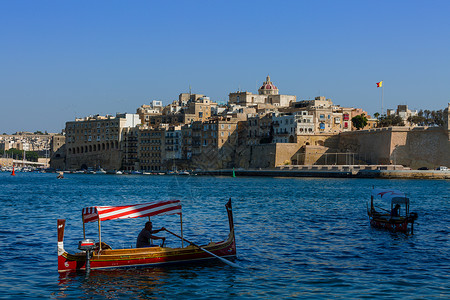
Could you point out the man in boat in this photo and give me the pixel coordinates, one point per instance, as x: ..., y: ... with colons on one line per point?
x: 146, y: 234
x: 395, y: 210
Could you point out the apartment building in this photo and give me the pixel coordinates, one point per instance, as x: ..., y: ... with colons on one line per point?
x: 95, y: 141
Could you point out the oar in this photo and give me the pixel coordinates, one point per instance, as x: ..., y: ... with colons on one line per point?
x: 381, y: 208
x: 210, y: 253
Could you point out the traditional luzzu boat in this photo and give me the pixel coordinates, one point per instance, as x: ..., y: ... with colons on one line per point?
x: 100, y: 255
x: 385, y: 219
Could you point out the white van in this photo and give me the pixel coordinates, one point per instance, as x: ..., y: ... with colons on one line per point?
x: 442, y: 168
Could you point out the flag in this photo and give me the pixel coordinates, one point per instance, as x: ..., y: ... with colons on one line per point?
x: 380, y: 84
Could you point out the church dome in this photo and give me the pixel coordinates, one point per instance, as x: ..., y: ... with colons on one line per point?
x: 268, y: 87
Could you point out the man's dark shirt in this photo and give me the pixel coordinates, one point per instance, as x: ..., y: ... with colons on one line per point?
x: 143, y: 239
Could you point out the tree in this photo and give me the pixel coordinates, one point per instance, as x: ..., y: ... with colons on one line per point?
x: 359, y: 121
x: 419, y: 120
x: 18, y: 154
x: 391, y: 120
x: 376, y: 115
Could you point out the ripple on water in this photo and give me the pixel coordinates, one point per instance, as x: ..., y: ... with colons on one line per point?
x: 296, y: 238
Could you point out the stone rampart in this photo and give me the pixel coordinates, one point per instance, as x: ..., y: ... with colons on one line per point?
x: 413, y: 147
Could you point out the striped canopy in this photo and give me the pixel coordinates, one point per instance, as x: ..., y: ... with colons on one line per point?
x: 390, y: 196
x: 103, y: 213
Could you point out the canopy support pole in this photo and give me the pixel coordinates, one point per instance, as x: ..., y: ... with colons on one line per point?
x: 151, y: 241
x: 182, y: 239
x: 99, y: 236
x: 84, y: 231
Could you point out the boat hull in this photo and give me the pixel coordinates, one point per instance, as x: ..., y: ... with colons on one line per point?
x: 392, y: 225
x: 144, y: 257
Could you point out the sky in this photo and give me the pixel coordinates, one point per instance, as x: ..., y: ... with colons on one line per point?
x: 65, y: 59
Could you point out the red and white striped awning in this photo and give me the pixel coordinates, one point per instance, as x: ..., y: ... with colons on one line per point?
x: 103, y: 213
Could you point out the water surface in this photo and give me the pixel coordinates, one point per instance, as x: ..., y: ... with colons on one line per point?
x: 295, y: 237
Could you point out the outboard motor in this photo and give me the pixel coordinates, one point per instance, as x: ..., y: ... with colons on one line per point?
x: 413, y: 216
x: 88, y: 246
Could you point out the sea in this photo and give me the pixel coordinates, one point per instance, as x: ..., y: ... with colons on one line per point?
x: 306, y: 238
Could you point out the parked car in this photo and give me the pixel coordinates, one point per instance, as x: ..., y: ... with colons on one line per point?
x: 423, y: 168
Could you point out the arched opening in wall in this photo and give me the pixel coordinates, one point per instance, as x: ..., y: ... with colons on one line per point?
x: 307, y: 144
x: 107, y: 146
x: 70, y: 150
x: 103, y: 146
x: 82, y: 150
x: 90, y: 148
x: 320, y: 143
x: 291, y: 139
x: 95, y: 148
x: 83, y: 167
x: 116, y: 145
x: 86, y: 149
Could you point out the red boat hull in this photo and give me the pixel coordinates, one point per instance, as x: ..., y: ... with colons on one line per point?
x: 392, y: 226
x: 143, y: 257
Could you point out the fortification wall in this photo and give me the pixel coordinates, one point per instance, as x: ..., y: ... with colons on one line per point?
x: 413, y: 147
x: 108, y: 160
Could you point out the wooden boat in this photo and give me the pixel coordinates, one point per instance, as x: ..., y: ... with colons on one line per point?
x: 384, y: 218
x: 101, y: 256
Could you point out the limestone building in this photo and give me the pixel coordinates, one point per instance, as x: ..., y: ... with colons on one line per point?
x: 151, y: 148
x: 96, y: 141
x: 268, y: 93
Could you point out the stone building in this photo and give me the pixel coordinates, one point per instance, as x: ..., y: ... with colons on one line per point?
x: 129, y: 146
x: 186, y: 147
x: 268, y: 93
x: 287, y: 127
x: 173, y: 143
x: 151, y: 148
x: 403, y: 112
x: 58, y: 152
x: 189, y: 108
x: 145, y: 112
x: 96, y: 141
x: 214, y: 142
x: 259, y: 129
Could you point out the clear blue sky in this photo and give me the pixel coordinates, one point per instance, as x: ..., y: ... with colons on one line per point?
x: 65, y: 59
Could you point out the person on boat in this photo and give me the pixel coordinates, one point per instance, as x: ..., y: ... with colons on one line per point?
x: 146, y: 234
x: 395, y: 211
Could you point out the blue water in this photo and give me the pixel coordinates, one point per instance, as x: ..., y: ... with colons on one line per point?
x: 296, y: 238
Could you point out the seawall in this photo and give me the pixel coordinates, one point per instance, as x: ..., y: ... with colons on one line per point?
x: 386, y: 174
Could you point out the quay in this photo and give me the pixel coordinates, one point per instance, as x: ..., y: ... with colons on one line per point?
x: 334, y: 171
